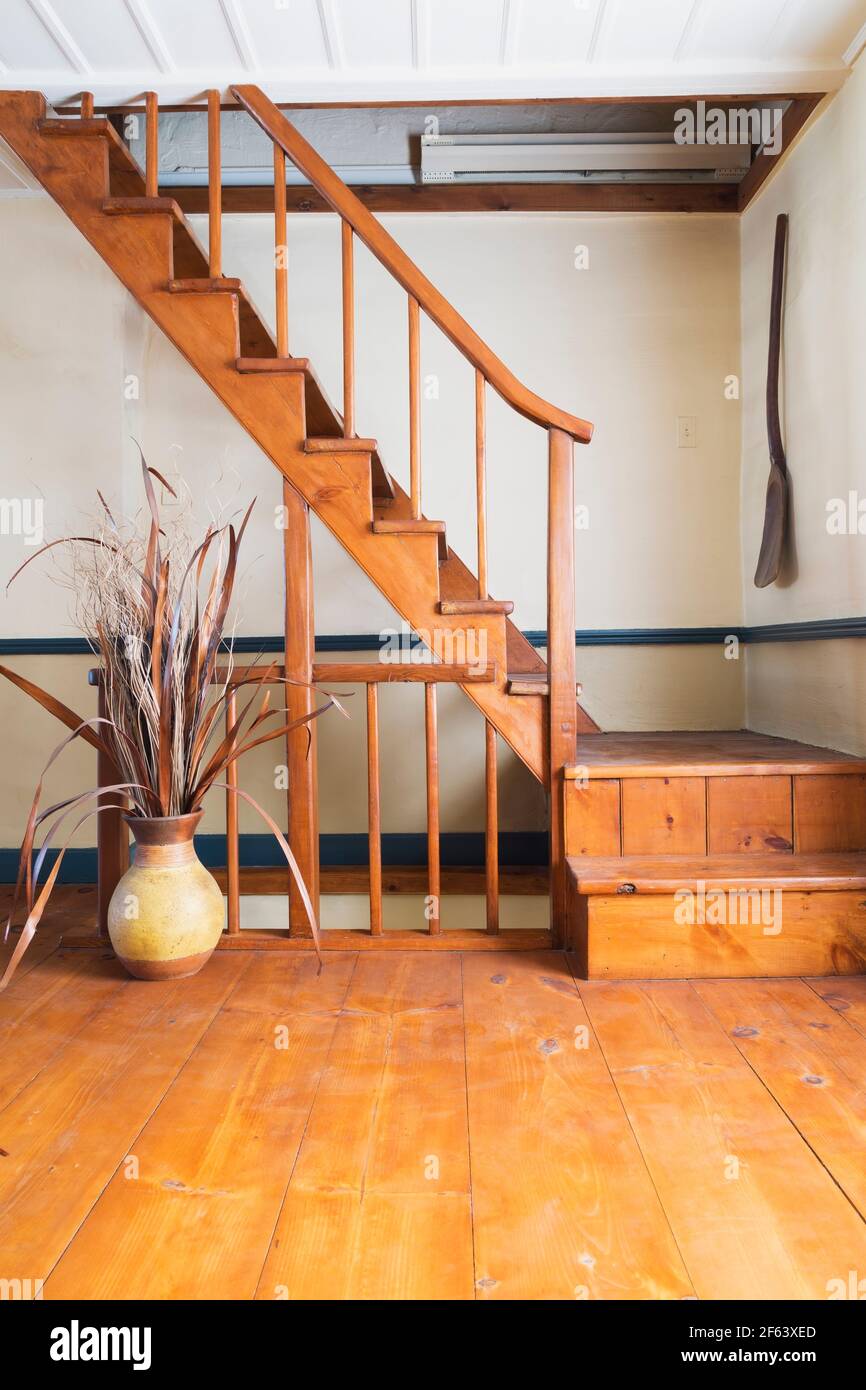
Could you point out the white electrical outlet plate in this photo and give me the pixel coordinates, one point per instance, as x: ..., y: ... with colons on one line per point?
x: 687, y: 431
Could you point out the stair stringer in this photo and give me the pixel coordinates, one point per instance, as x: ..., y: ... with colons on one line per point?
x: 205, y: 330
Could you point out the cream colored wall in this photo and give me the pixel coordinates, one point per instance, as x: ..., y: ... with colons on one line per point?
x: 808, y: 690
x: 647, y: 332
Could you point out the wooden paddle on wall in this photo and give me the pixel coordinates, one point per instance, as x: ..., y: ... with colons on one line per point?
x: 776, y: 505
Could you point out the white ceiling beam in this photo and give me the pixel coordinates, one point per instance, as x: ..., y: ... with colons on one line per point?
x: 147, y: 27
x: 241, y: 37
x: 688, y: 32
x: 511, y: 17
x: 420, y: 17
x: 855, y: 46
x: 57, y: 30
x: 438, y: 86
x: 596, y: 41
x: 331, y: 35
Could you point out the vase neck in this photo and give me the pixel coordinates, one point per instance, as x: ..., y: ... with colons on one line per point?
x: 164, y: 841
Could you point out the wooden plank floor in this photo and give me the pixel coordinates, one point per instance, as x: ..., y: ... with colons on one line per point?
x: 412, y: 1125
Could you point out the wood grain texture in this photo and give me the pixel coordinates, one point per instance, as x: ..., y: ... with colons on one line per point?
x: 664, y: 815
x: 215, y: 1160
x: 92, y: 1099
x: 562, y: 1201
x: 753, y: 1211
x: 749, y: 815
x: 642, y: 938
x: 688, y: 753
x: 829, y: 813
x: 378, y: 1204
x: 592, y: 818
x: 786, y: 1048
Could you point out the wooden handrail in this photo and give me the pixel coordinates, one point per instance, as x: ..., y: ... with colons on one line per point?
x: 385, y: 249
x: 370, y: 673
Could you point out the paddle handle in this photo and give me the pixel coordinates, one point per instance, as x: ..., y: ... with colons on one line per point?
x: 774, y: 428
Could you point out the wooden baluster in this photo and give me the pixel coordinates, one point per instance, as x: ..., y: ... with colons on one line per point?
x: 481, y: 482
x: 434, y: 888
x: 151, y: 146
x: 281, y: 252
x: 233, y: 868
x: 214, y: 186
x: 301, y: 743
x: 414, y: 409
x: 491, y: 837
x: 112, y: 833
x: 86, y: 106
x: 374, y: 818
x: 348, y: 249
x: 561, y: 672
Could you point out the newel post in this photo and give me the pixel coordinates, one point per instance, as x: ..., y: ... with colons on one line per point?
x: 300, y: 633
x: 562, y: 710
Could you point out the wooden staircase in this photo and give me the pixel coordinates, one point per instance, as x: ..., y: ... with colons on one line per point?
x: 148, y: 243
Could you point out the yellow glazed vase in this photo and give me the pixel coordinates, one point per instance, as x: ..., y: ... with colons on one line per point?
x: 166, y: 914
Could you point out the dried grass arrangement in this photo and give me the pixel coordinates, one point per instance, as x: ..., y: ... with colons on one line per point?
x: 139, y: 600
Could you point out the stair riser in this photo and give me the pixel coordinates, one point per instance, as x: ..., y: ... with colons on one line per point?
x: 716, y: 815
x: 663, y: 937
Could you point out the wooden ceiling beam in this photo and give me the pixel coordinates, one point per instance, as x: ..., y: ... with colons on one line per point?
x: 479, y: 197
x: 763, y: 165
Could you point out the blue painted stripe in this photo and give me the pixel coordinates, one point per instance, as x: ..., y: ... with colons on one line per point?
x: 812, y: 631
x: 517, y: 849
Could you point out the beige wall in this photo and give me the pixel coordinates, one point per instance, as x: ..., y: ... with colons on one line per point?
x: 810, y: 690
x: 649, y: 331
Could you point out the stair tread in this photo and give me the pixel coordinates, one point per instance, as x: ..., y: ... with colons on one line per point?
x: 339, y: 445
x: 272, y: 366
x: 395, y: 526
x: 534, y: 683
x: 456, y: 607
x: 116, y: 206
x: 226, y: 284
x: 704, y: 753
x: 666, y: 873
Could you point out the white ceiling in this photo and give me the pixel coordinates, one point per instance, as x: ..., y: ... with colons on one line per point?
x: 386, y: 50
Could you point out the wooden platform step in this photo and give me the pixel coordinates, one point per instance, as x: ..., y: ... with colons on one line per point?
x: 466, y: 606
x: 633, y: 874
x: 700, y: 753
x: 717, y: 916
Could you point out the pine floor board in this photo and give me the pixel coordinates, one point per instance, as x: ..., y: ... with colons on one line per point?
x: 755, y: 1213
x: 66, y: 1133
x: 427, y: 1126
x: 214, y: 1162
x: 820, y: 1095
x: 563, y: 1204
x: 378, y: 1206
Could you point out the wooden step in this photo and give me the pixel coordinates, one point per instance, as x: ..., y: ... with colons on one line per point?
x: 708, y: 917
x: 634, y: 874
x: 409, y: 526
x: 272, y: 366
x: 224, y: 285
x: 705, y: 753
x: 121, y: 207
x: 534, y: 683
x: 466, y: 606
x: 340, y: 446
